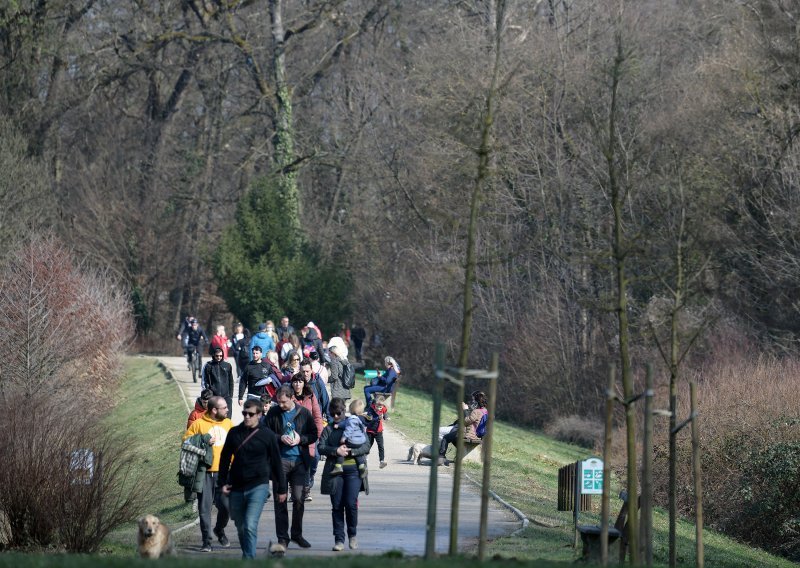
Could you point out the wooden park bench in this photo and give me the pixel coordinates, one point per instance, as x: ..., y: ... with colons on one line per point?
x: 469, y: 452
x: 590, y: 535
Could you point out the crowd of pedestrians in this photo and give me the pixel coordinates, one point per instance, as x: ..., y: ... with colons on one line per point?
x: 294, y: 389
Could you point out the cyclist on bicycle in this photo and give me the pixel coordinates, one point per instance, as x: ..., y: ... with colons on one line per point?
x: 194, y: 336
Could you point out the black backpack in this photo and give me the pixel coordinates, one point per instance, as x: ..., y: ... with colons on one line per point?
x: 348, y: 375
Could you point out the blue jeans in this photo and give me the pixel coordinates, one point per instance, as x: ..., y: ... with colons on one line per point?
x: 246, y: 507
x: 344, y: 503
x: 373, y: 388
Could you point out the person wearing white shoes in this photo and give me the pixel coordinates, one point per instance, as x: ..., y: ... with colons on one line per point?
x: 343, y: 489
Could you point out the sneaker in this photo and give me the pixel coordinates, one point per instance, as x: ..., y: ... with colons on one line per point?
x: 353, y: 543
x: 440, y: 460
x: 383, y: 465
x: 223, y: 540
x: 337, y: 470
x: 362, y: 471
x: 301, y: 542
x: 206, y: 547
x: 338, y: 547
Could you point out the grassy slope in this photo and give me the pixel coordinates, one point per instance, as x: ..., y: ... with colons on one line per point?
x: 151, y: 409
x: 525, y: 473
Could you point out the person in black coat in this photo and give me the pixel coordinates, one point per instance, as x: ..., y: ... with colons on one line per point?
x: 218, y: 376
x: 249, y: 459
x: 345, y: 488
x: 240, y: 347
x: 297, y: 431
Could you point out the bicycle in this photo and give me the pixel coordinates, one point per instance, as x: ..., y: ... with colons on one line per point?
x: 195, y: 360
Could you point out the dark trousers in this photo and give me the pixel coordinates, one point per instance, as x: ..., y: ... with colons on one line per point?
x: 377, y: 437
x: 449, y: 438
x: 344, y: 503
x: 314, y: 464
x: 206, y: 499
x: 296, y: 476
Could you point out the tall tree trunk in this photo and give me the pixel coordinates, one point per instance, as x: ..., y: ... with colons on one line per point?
x: 283, y: 140
x: 619, y: 256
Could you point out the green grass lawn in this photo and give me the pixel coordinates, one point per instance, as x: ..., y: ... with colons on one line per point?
x: 525, y: 473
x: 150, y: 409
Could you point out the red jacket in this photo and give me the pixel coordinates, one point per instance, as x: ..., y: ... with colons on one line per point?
x: 196, y: 413
x: 310, y: 403
x: 222, y: 342
x: 375, y: 419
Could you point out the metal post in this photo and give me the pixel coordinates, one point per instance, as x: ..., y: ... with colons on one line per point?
x: 455, y: 501
x: 646, y: 526
x: 577, y: 502
x: 486, y: 448
x: 604, y: 506
x: 430, y: 529
x: 698, y: 485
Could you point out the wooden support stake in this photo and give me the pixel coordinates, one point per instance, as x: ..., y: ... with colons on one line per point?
x: 646, y: 520
x: 486, y: 448
x: 604, y: 505
x: 698, y: 484
x: 430, y: 528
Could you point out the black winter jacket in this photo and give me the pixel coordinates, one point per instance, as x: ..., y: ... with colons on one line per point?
x: 218, y: 376
x: 254, y: 463
x: 303, y: 425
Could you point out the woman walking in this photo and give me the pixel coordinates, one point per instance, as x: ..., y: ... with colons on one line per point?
x: 339, y: 362
x: 343, y: 489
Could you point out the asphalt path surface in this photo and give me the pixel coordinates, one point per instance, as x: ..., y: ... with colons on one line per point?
x: 391, y: 517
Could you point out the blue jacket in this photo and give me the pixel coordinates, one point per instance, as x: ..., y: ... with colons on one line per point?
x: 386, y: 380
x: 318, y: 387
x: 263, y: 340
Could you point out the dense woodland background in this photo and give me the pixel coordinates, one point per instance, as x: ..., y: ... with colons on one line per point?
x: 246, y: 158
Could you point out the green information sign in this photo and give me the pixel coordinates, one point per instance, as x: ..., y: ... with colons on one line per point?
x: 592, y: 476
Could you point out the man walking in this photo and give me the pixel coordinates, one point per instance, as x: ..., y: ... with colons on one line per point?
x: 295, y: 426
x: 285, y: 328
x: 216, y: 423
x: 256, y: 378
x: 250, y: 458
x: 218, y: 376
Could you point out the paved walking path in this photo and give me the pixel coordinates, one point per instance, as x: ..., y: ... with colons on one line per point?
x: 391, y: 517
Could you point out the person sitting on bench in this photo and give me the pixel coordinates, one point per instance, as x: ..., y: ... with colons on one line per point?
x: 383, y: 383
x: 473, y: 414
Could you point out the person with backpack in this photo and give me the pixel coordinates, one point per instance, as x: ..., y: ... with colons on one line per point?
x: 342, y: 375
x: 475, y: 416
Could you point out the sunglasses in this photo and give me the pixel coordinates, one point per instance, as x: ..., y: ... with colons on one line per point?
x: 249, y: 414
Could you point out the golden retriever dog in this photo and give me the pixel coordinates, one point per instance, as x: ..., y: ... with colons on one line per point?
x: 419, y: 451
x: 155, y: 538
